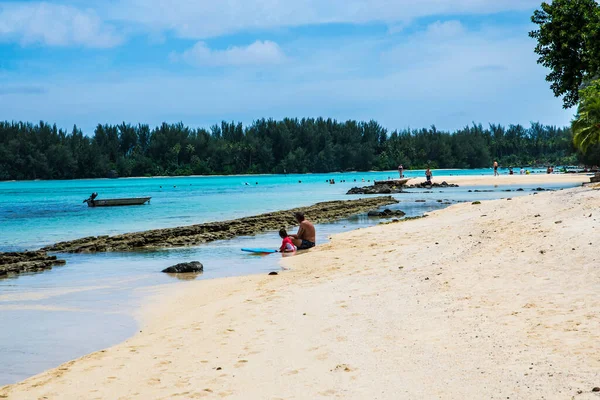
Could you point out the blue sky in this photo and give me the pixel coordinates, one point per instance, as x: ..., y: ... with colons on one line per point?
x: 404, y: 63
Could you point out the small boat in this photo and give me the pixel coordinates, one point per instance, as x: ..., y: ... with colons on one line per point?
x: 132, y: 201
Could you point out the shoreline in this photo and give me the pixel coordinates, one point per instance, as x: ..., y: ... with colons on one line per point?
x: 14, y: 263
x: 378, y: 310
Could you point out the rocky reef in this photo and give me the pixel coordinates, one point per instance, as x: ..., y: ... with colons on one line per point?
x: 385, y: 188
x: 425, y: 185
x: 28, y: 261
x: 207, y: 232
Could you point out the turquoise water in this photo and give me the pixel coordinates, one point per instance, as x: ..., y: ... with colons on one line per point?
x: 88, y: 304
x: 38, y: 213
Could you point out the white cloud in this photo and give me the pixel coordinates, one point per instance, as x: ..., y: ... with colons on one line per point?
x: 199, y: 19
x: 484, y: 76
x: 54, y: 25
x: 258, y: 53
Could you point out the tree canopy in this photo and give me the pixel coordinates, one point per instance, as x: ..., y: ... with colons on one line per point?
x: 568, y: 44
x: 43, y: 151
x: 586, y: 125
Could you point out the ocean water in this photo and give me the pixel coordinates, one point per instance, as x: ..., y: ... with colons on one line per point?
x: 38, y: 213
x: 89, y: 304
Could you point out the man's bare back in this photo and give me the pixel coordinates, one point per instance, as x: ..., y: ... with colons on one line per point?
x: 306, y: 236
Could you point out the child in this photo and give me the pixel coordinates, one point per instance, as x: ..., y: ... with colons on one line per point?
x: 287, y: 246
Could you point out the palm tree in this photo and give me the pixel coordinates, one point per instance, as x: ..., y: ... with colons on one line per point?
x: 586, y: 125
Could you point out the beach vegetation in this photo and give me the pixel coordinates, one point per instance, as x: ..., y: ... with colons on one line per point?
x: 43, y: 151
x: 568, y: 43
x: 586, y: 125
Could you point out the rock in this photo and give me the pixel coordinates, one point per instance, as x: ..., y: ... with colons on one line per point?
x: 420, y: 201
x: 425, y: 185
x: 387, y: 213
x: 475, y: 203
x: 27, y: 261
x: 273, y: 273
x: 596, y: 389
x: 520, y: 190
x: 558, y: 222
x: 540, y: 189
x: 184, y: 268
x: 375, y: 189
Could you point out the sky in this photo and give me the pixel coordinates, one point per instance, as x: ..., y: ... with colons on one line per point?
x: 404, y: 63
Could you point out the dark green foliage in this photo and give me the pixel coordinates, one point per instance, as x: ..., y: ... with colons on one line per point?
x: 568, y: 44
x: 43, y: 151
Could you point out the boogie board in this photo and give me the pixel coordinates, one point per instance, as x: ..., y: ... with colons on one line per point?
x: 260, y: 251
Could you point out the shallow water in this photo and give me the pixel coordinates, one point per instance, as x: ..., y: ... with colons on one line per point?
x: 54, y: 316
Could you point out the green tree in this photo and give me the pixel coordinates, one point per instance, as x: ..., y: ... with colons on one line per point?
x: 568, y: 44
x: 586, y: 125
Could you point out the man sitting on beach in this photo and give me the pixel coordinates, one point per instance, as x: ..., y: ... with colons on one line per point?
x: 306, y: 236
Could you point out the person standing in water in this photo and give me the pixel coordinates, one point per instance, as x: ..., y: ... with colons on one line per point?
x: 428, y: 175
x: 401, y: 170
x: 306, y: 236
x: 496, y: 168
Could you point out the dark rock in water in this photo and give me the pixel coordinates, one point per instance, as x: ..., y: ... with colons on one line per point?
x: 425, y: 185
x: 184, y: 268
x: 375, y: 189
x: 387, y: 213
x: 520, y: 190
x: 273, y: 273
x: 420, y: 201
x: 540, y: 189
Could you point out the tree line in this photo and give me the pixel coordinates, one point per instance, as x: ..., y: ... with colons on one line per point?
x: 43, y: 151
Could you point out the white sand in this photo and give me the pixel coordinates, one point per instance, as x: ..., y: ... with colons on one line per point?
x: 490, y: 180
x: 485, y: 301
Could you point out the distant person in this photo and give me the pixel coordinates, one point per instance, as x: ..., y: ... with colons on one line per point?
x: 496, y: 168
x: 287, y: 246
x: 306, y: 236
x: 401, y: 170
x: 510, y: 171
x: 522, y: 171
x: 527, y: 172
x: 428, y: 176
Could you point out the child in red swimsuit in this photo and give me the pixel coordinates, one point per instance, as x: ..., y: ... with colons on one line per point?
x: 287, y: 246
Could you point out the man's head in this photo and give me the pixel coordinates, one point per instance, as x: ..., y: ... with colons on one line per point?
x: 283, y: 233
x: 299, y: 216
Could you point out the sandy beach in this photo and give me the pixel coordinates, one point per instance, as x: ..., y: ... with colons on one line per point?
x: 490, y: 180
x: 496, y: 300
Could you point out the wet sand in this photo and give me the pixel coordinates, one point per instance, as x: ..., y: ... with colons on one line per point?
x: 493, y: 300
x: 491, y: 180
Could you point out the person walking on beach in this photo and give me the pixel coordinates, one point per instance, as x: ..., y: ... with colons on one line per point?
x: 496, y: 168
x: 401, y: 170
x: 428, y: 176
x: 306, y: 236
